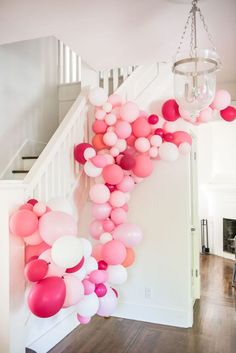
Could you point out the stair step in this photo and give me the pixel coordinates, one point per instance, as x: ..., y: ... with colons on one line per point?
x: 30, y: 157
x: 18, y: 171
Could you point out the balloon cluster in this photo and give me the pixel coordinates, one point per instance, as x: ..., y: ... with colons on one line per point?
x: 59, y: 265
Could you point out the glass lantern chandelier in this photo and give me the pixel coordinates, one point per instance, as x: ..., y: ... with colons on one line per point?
x: 195, y: 73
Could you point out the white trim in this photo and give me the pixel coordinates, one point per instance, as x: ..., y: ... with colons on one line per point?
x: 13, y: 159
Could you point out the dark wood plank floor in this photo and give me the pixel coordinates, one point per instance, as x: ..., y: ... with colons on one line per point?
x: 214, y: 329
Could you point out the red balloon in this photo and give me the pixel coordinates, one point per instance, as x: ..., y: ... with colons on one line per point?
x: 168, y: 137
x: 127, y: 162
x: 153, y: 119
x: 47, y: 297
x: 76, y: 267
x: 170, y: 110
x: 100, y: 290
x: 79, y: 152
x: 32, y: 201
x: 102, y: 265
x: 228, y: 114
x: 159, y: 132
x: 111, y: 187
x: 36, y: 270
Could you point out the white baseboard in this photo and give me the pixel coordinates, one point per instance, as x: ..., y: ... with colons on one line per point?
x: 48, y: 340
x: 155, y: 314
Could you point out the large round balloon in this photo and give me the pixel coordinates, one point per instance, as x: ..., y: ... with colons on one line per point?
x: 23, y: 223
x: 101, y: 211
x: 74, y: 290
x: 221, y: 100
x: 107, y: 304
x: 36, y: 270
x: 112, y: 174
x: 129, y: 112
x: 88, y: 306
x: 168, y: 152
x: 79, y: 152
x: 129, y: 234
x: 47, y: 297
x: 55, y: 224
x: 99, y: 193
x: 67, y: 251
x: 143, y: 167
x: 170, y: 110
x: 141, y: 127
x: 114, y: 252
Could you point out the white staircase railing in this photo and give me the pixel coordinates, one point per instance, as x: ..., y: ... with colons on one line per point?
x: 53, y: 174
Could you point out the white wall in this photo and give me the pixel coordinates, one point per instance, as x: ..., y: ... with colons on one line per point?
x: 28, y: 94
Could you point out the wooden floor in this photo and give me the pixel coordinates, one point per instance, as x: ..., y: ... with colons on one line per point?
x: 214, y: 329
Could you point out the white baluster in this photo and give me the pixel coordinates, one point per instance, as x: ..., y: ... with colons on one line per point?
x: 105, y: 81
x: 115, y: 79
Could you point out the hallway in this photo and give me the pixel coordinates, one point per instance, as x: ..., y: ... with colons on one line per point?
x: 214, y: 329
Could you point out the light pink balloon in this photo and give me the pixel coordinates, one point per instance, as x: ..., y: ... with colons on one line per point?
x: 115, y: 100
x: 99, y: 193
x: 39, y: 209
x: 117, y: 198
x: 129, y: 234
x: 129, y: 112
x: 89, y: 287
x: 83, y: 320
x: 96, y: 229
x: 142, y: 144
x: 107, y: 304
x: 98, y: 276
x: 23, y: 223
x: 123, y: 129
x: 101, y: 211
x: 54, y: 224
x: 74, y: 290
x: 108, y: 225
x: 221, y: 100
x: 97, y: 252
x: 53, y: 269
x: 114, y: 252
x: 118, y: 215
x: 205, y: 115
x: 110, y: 138
x: 99, y: 161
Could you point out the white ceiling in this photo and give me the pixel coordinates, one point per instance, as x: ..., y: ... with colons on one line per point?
x: 108, y: 33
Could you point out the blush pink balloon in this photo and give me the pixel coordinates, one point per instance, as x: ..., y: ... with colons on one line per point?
x: 99, y: 193
x: 205, y: 115
x: 117, y: 198
x: 99, y: 161
x: 112, y: 174
x: 97, y: 252
x: 123, y: 129
x: 108, y: 225
x: 129, y: 112
x: 54, y: 224
x: 83, y: 320
x: 180, y: 137
x: 96, y: 229
x: 129, y: 234
x: 126, y: 207
x: 221, y: 100
x: 89, y: 287
x: 107, y: 303
x: 114, y: 252
x: 143, y: 167
x: 141, y: 127
x: 74, y: 290
x: 101, y: 211
x: 118, y: 216
x: 98, y: 276
x: 115, y: 100
x: 23, y: 223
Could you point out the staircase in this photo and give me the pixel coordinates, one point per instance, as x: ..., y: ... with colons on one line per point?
x: 53, y: 173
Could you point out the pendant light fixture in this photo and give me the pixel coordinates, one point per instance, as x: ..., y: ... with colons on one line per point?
x: 195, y: 71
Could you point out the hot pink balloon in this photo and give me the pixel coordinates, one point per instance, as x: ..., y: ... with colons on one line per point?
x: 129, y: 234
x: 118, y: 215
x: 96, y: 229
x: 23, y: 223
x: 141, y: 127
x: 102, y: 265
x: 98, y: 276
x: 127, y: 184
x: 99, y: 193
x: 76, y: 267
x: 36, y: 270
x: 74, y: 290
x: 79, y: 152
x: 101, y: 211
x: 127, y: 162
x: 54, y: 224
x: 143, y: 167
x: 114, y: 252
x: 89, y: 287
x: 47, y: 297
x: 112, y: 174
x: 100, y: 290
x: 228, y: 114
x: 180, y: 137
x: 32, y: 201
x: 153, y: 119
x: 170, y: 110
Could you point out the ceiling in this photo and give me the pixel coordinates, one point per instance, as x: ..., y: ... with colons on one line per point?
x: 108, y: 33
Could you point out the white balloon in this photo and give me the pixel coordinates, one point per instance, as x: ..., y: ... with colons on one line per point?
x: 156, y: 140
x: 91, y: 170
x: 87, y: 247
x: 89, y: 153
x: 97, y: 96
x: 168, y: 152
x: 170, y: 127
x: 90, y: 264
x: 74, y: 290
x: 105, y: 237
x: 60, y: 204
x: 88, y: 306
x: 184, y: 148
x: 107, y: 107
x: 81, y: 274
x: 67, y: 251
x: 117, y: 274
x: 107, y: 304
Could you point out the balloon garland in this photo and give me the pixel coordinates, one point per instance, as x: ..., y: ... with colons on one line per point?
x: 65, y: 269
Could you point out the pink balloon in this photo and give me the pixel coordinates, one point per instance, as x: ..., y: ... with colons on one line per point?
x: 39, y: 209
x: 123, y: 129
x: 23, y: 223
x: 54, y: 224
x: 96, y: 229
x: 100, y: 290
x: 129, y: 112
x: 99, y: 161
x: 47, y: 296
x: 36, y: 270
x: 127, y: 184
x: 118, y: 215
x: 99, y: 127
x: 108, y: 225
x: 141, y: 127
x: 115, y: 100
x: 153, y: 119
x: 98, y: 276
x: 180, y: 137
x: 35, y: 250
x: 228, y: 114
x: 99, y: 193
x: 142, y: 144
x: 101, y: 211
x: 170, y: 110
x: 26, y: 206
x: 205, y: 115
x: 102, y: 265
x: 143, y: 167
x: 97, y: 252
x: 79, y: 152
x: 33, y: 239
x: 108, y: 303
x: 89, y: 287
x: 114, y: 252
x: 117, y: 198
x: 74, y: 290
x: 127, y: 162
x: 53, y: 269
x: 83, y: 320
x: 112, y: 174
x: 129, y: 234
x: 76, y: 267
x: 221, y: 100
x: 126, y: 207
x: 110, y: 138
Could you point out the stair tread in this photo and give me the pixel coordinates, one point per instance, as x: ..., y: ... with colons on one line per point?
x: 30, y: 157
x: 15, y: 171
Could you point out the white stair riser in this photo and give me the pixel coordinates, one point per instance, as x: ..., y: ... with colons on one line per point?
x: 18, y: 176
x: 28, y: 163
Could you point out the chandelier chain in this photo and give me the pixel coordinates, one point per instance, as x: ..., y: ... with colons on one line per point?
x: 183, y: 34
x: 206, y: 29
